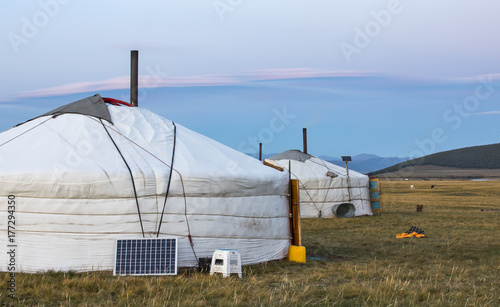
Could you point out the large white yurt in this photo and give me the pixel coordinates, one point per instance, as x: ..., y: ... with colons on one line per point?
x: 324, y: 186
x: 91, y: 172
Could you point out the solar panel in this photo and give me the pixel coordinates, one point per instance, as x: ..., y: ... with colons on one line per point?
x: 146, y: 256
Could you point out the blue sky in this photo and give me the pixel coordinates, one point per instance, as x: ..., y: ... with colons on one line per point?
x: 391, y: 78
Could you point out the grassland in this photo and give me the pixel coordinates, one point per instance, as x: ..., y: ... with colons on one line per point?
x: 357, y: 262
x: 440, y: 172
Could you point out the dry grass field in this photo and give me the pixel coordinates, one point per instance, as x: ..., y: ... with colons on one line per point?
x: 356, y: 262
x: 442, y: 172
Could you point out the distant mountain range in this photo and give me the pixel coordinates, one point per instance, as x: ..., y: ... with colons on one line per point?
x: 366, y: 163
x: 473, y: 162
x: 363, y: 163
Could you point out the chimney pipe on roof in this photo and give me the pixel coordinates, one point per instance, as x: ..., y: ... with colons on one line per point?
x: 260, y: 151
x: 304, y: 135
x: 134, y: 77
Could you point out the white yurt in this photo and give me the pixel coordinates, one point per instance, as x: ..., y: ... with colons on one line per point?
x: 93, y: 171
x: 324, y: 188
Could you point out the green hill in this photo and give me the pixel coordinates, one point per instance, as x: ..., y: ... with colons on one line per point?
x: 476, y: 157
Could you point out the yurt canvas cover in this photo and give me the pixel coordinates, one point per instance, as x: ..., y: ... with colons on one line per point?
x: 322, y: 185
x: 88, y: 173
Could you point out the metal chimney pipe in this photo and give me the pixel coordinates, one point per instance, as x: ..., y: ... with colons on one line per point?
x: 304, y: 136
x: 260, y: 151
x: 134, y: 77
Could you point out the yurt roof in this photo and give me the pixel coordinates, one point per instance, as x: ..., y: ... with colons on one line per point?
x: 292, y: 154
x: 92, y: 106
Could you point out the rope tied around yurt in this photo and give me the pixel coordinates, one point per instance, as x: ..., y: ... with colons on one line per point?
x: 131, y: 177
x: 329, y: 184
x: 305, y: 189
x: 190, y: 238
x: 169, y: 179
x: 187, y: 221
x: 27, y: 130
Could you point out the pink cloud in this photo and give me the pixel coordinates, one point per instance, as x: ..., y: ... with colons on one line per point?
x: 304, y: 73
x: 123, y: 82
x: 79, y: 87
x: 152, y: 81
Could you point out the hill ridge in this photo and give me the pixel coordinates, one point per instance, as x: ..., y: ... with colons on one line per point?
x: 473, y: 157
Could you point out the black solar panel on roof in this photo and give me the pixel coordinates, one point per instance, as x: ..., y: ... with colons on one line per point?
x: 146, y: 257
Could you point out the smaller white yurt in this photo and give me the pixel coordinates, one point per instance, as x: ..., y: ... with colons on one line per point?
x: 325, y: 189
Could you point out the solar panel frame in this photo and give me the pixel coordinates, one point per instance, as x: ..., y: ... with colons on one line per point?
x: 145, y: 256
